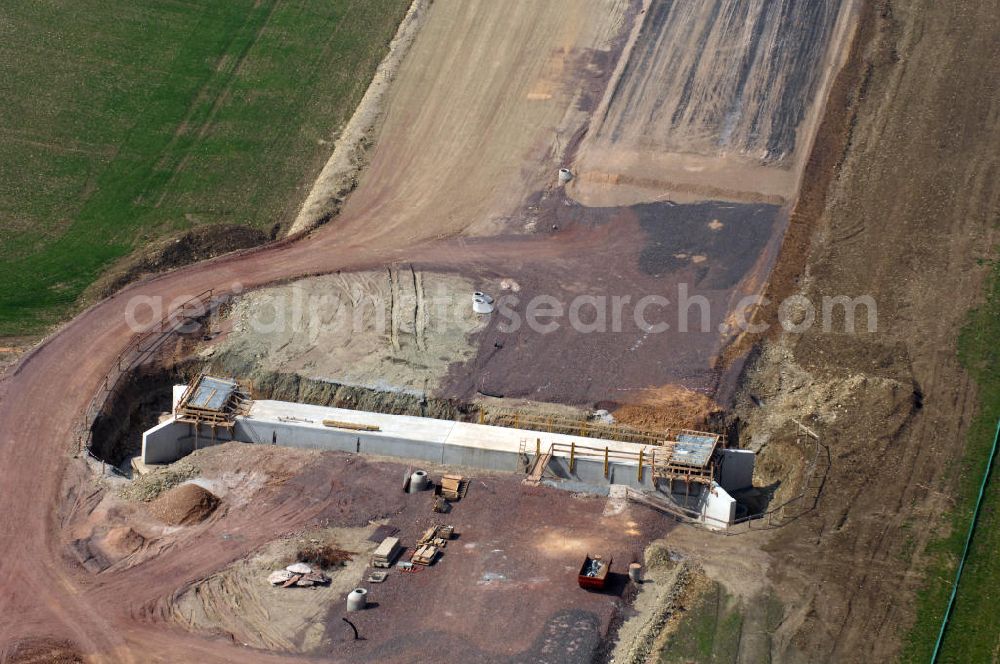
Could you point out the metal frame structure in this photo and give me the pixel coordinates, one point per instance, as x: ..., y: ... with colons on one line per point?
x: 212, y: 401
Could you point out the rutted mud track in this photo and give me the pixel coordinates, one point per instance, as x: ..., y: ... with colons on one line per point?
x: 493, y: 97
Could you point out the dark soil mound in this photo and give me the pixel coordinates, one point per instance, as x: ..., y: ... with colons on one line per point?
x: 30, y: 651
x: 184, y: 505
x: 325, y: 556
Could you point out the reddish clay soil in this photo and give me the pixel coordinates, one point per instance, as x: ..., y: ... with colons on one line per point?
x: 914, y: 189
x: 512, y: 543
x: 184, y: 505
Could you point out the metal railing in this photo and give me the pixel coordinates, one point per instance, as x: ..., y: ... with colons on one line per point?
x: 805, y: 501
x: 139, y: 349
x: 588, y: 428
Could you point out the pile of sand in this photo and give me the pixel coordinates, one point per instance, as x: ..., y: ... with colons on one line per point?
x: 670, y: 406
x: 184, y: 505
x: 122, y: 541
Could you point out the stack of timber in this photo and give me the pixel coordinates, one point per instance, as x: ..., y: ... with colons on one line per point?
x: 424, y: 555
x: 436, y: 536
x: 453, y: 487
x: 386, y: 552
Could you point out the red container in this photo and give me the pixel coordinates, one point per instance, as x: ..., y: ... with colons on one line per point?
x: 594, y: 572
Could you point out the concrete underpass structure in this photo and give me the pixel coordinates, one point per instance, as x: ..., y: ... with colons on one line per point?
x: 553, y: 457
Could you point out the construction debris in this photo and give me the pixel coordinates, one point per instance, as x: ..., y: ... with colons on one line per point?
x: 386, y: 552
x: 323, y: 556
x: 313, y: 579
x: 279, y: 577
x: 378, y: 577
x: 437, y: 536
x: 441, y: 505
x: 298, y: 574
x: 594, y: 572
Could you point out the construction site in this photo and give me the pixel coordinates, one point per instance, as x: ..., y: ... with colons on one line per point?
x: 497, y: 396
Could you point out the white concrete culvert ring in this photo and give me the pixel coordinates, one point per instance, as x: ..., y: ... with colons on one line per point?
x: 482, y: 303
x: 418, y: 481
x: 357, y: 600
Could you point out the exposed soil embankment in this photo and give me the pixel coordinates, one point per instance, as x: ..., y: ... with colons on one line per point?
x: 189, y: 247
x: 342, y: 171
x: 393, y: 329
x: 141, y: 398
x: 714, y: 100
x: 906, y: 219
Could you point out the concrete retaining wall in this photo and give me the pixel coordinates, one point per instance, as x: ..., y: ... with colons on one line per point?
x: 171, y: 440
x: 737, y: 469
x: 718, y: 508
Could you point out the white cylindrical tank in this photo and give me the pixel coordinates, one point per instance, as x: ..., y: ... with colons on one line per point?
x: 418, y: 481
x: 565, y: 175
x: 357, y: 599
x: 635, y: 572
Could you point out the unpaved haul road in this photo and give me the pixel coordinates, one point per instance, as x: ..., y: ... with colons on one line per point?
x: 492, y: 97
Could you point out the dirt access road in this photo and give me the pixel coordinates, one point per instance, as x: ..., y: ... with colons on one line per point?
x: 491, y: 100
x: 510, y: 101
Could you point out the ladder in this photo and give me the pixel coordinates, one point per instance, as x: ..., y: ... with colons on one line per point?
x: 538, y: 468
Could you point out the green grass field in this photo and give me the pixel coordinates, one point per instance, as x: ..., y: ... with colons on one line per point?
x: 708, y: 632
x: 122, y: 122
x: 973, y: 634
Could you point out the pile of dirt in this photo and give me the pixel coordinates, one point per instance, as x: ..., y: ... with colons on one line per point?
x: 122, y: 541
x: 670, y: 406
x: 195, y: 245
x: 185, y: 505
x: 324, y: 556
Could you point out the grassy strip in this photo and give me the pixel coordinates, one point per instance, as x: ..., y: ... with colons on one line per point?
x: 708, y: 632
x: 973, y: 633
x: 126, y: 122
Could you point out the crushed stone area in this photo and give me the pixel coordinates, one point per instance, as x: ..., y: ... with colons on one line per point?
x: 396, y: 329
